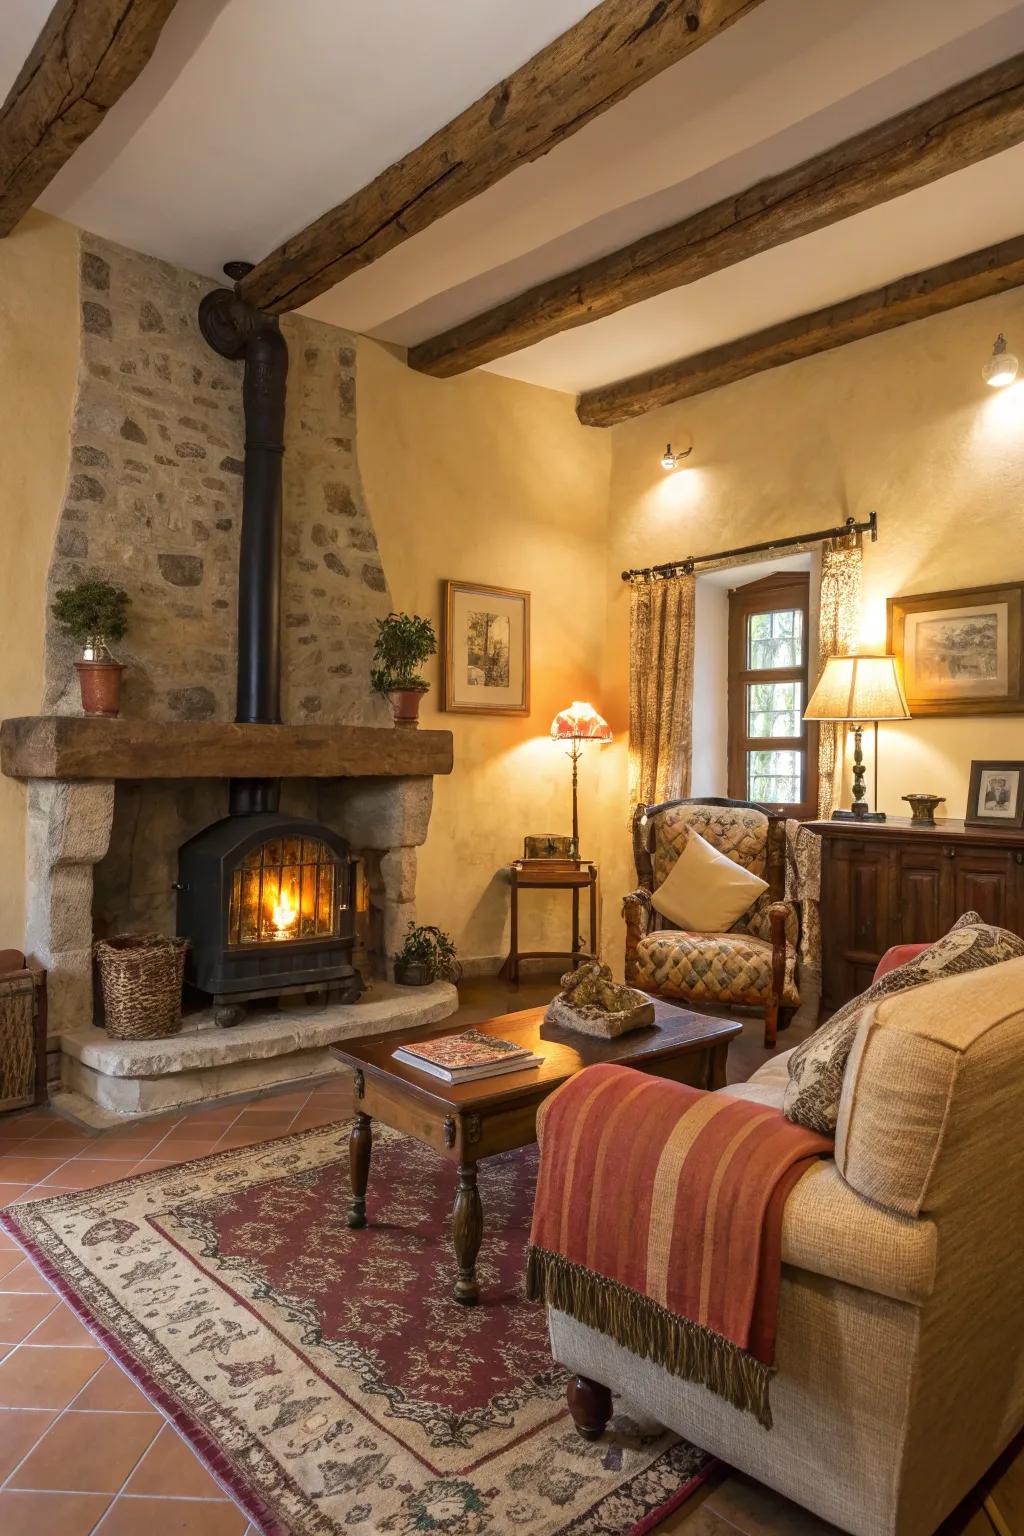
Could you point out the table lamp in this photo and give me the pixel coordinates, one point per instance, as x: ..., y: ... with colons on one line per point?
x: 577, y: 724
x: 859, y: 690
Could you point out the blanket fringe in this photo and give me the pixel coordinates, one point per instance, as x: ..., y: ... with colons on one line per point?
x: 685, y: 1349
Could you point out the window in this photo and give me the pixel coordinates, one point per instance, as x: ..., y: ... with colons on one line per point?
x: 772, y: 757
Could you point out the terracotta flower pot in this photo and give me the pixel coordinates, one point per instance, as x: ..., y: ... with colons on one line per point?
x: 100, y: 682
x: 405, y: 706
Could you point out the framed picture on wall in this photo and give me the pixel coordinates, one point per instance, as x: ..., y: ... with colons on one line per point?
x: 961, y: 650
x: 996, y: 795
x: 486, y: 649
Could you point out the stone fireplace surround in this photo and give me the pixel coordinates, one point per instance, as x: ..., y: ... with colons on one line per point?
x: 91, y: 781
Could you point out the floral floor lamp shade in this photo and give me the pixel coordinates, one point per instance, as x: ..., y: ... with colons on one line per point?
x: 575, y: 725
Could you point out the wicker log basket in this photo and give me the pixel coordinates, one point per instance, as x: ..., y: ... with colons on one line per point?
x: 141, y: 976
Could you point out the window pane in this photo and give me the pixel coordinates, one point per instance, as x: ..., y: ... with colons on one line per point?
x: 774, y: 709
x: 775, y: 639
x: 775, y: 777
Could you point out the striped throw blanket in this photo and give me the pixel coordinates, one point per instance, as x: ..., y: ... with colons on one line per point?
x: 658, y: 1221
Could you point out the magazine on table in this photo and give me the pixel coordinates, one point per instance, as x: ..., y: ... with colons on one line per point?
x: 464, y: 1057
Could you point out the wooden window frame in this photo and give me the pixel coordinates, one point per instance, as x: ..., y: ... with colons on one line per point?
x: 781, y: 590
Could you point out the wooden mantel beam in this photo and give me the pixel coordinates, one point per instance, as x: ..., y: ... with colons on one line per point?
x: 975, y: 119
x: 615, y: 47
x: 976, y: 276
x: 85, y: 58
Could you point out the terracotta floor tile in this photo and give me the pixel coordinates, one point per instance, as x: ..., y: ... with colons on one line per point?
x: 54, y: 1146
x: 185, y: 1151
x: 88, y: 1173
x: 172, y: 1467
x: 25, y: 1277
x: 122, y: 1149
x: 90, y: 1452
x: 61, y: 1130
x: 170, y: 1517
x: 112, y: 1390
x: 10, y: 1260
x: 28, y: 1170
x: 235, y: 1139
x: 61, y: 1329
x: 20, y: 1428
x: 8, y: 1244
x: 11, y: 1192
x: 19, y: 1314
x: 46, y: 1378
x: 12, y: 1148
x: 51, y: 1514
x: 153, y: 1164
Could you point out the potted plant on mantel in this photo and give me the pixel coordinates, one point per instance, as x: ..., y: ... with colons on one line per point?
x: 427, y: 955
x: 404, y: 641
x: 94, y: 613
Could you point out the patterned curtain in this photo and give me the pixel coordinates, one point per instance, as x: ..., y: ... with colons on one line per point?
x: 838, y: 628
x: 661, y: 619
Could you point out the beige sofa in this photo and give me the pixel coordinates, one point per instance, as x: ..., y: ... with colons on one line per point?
x: 900, y: 1346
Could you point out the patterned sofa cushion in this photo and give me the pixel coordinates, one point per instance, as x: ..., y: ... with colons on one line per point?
x: 817, y: 1066
x: 713, y: 968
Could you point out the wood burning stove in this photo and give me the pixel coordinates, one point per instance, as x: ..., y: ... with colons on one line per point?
x: 268, y: 902
x: 266, y: 899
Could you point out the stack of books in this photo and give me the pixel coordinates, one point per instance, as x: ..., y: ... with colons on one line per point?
x: 465, y: 1057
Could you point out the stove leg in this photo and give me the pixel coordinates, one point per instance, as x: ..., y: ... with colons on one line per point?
x: 227, y: 1015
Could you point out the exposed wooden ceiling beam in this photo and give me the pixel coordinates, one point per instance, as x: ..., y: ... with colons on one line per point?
x: 85, y: 58
x: 976, y: 276
x: 973, y: 120
x: 617, y: 46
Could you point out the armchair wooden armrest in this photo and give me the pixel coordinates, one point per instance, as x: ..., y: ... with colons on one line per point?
x: 636, y: 910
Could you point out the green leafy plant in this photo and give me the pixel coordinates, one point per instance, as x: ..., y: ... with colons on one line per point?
x: 431, y: 948
x: 404, y: 641
x: 92, y: 612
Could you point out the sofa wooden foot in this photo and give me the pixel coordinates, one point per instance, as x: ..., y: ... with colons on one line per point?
x: 771, y: 1019
x: 590, y: 1405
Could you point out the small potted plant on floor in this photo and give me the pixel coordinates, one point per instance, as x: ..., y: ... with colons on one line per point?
x: 94, y: 613
x: 427, y: 955
x: 404, y: 641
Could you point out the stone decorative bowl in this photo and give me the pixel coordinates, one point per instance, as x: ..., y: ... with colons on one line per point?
x: 922, y: 808
x: 590, y: 1020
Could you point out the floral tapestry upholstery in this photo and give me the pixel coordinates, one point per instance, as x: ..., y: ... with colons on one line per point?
x: 713, y: 968
x: 741, y: 835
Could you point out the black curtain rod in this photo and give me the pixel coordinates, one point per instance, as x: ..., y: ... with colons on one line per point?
x: 687, y: 566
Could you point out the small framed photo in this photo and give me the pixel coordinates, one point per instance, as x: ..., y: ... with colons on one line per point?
x: 996, y: 795
x: 486, y: 649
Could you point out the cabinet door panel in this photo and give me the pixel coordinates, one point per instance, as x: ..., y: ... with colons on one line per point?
x: 984, y: 883
x: 923, y: 883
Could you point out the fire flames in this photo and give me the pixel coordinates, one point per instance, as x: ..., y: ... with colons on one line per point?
x: 284, y: 915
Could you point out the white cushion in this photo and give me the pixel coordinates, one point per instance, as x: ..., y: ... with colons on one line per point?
x: 705, y: 891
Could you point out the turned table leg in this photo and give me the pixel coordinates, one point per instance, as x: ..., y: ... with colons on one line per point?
x: 590, y: 1405
x: 467, y: 1231
x: 359, y: 1147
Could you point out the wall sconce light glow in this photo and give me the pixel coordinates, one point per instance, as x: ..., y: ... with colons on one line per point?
x: 670, y: 460
x: 1001, y: 368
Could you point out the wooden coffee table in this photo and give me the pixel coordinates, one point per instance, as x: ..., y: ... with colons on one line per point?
x: 474, y: 1120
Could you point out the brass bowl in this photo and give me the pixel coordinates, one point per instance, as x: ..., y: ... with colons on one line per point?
x: 922, y: 808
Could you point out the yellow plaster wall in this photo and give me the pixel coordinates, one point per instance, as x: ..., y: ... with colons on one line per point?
x: 485, y: 479
x: 900, y: 423
x: 38, y: 371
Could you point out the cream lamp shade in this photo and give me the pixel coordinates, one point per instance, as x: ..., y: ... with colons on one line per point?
x: 859, y: 688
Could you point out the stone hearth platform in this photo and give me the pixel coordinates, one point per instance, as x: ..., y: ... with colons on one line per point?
x: 127, y: 1079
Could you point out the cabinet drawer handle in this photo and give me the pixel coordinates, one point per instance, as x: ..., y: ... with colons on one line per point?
x: 1019, y: 858
x: 950, y: 853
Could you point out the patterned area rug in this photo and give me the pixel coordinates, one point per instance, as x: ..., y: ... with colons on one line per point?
x: 326, y: 1376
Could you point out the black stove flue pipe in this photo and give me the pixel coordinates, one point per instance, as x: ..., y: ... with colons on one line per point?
x: 238, y: 331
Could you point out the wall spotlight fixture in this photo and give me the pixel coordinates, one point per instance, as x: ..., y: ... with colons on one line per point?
x: 1001, y: 368
x: 670, y: 460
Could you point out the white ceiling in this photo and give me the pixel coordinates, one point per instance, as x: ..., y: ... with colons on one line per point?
x: 254, y: 117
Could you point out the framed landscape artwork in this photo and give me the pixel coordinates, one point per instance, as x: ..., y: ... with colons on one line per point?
x: 961, y: 650
x: 486, y: 649
x: 996, y: 795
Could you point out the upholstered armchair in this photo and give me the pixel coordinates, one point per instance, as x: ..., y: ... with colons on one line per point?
x: 754, y: 964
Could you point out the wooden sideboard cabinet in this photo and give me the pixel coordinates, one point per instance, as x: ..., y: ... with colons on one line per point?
x: 895, y: 882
